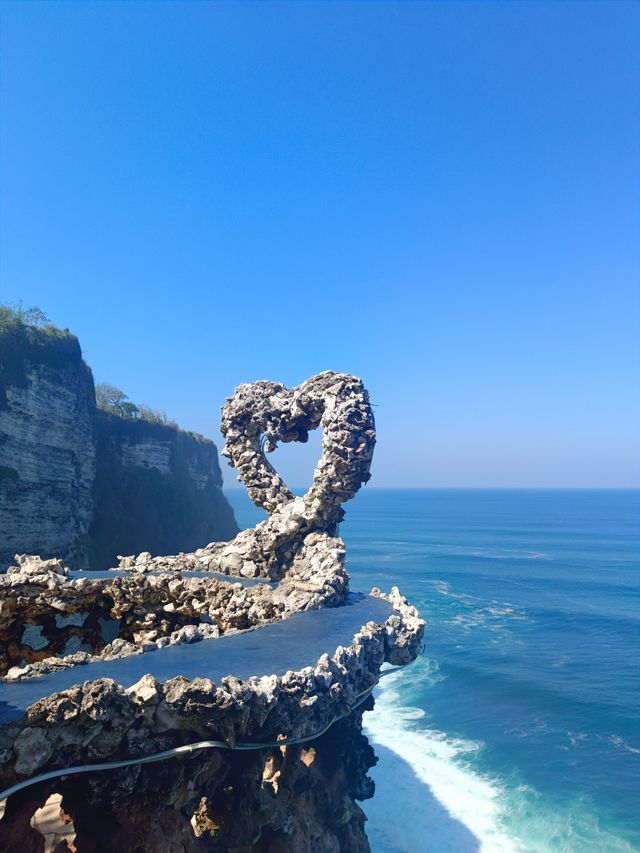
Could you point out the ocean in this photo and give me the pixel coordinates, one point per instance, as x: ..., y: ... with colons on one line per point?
x: 518, y: 729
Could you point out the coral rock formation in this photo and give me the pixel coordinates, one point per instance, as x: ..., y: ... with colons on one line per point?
x: 289, y: 759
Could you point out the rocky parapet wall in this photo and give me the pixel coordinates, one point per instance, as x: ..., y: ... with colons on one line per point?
x: 49, y: 621
x: 279, y: 798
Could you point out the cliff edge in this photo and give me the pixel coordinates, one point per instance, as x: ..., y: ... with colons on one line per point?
x: 85, y: 485
x: 156, y: 488
x: 209, y: 701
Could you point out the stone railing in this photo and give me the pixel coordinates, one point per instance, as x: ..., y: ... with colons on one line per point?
x: 269, y: 792
x: 288, y: 798
x: 49, y: 621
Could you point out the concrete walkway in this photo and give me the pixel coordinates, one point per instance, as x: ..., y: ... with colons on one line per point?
x: 273, y: 649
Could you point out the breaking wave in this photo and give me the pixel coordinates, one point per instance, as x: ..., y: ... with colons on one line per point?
x: 427, y: 799
x: 430, y: 798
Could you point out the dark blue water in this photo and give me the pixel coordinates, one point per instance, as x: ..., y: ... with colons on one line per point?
x: 520, y: 727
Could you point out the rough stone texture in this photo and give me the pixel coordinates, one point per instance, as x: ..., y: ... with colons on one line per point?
x: 150, y: 610
x: 100, y: 721
x: 288, y: 800
x: 81, y: 484
x: 293, y: 798
x: 254, y: 419
x: 338, y: 403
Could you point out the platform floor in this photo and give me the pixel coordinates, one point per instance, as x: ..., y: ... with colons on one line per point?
x: 272, y: 649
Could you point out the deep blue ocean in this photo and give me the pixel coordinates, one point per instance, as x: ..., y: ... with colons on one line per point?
x: 519, y: 727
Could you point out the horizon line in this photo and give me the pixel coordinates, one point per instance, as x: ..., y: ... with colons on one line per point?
x: 636, y: 488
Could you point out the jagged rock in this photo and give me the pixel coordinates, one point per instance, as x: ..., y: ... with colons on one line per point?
x: 32, y: 750
x: 32, y: 564
x: 145, y: 691
x: 276, y: 798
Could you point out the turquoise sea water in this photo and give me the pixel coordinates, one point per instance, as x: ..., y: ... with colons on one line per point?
x: 519, y: 727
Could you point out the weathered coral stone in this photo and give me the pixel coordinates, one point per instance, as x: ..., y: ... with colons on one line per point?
x: 288, y: 797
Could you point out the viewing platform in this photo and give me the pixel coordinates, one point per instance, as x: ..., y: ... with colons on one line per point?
x: 181, y: 693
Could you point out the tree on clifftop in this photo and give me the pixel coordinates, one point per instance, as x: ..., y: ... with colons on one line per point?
x: 16, y: 313
x: 112, y: 399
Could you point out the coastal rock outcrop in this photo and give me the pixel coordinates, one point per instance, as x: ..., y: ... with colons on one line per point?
x: 289, y: 799
x: 273, y: 761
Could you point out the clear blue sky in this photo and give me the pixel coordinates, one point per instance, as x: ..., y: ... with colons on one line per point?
x: 439, y: 197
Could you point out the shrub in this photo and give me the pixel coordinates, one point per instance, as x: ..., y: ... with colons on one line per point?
x: 27, y: 336
x: 116, y: 402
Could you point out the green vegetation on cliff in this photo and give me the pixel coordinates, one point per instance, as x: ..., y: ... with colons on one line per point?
x: 86, y: 481
x: 27, y: 337
x: 116, y: 402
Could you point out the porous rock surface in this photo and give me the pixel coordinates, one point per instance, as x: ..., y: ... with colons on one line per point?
x: 276, y: 798
x: 148, y: 611
x: 254, y: 420
x: 219, y: 800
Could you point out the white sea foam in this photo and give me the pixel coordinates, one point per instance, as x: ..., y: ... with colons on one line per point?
x: 426, y: 799
x: 616, y: 740
x: 429, y: 800
x: 570, y: 827
x: 475, y: 612
x: 485, y: 553
x: 493, y: 617
x: 444, y: 589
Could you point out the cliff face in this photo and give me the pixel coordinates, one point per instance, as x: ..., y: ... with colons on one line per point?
x: 78, y: 483
x: 47, y: 454
x: 157, y: 489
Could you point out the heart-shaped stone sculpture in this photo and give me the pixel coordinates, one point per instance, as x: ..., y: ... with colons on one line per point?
x: 297, y: 544
x: 298, y: 540
x: 261, y: 414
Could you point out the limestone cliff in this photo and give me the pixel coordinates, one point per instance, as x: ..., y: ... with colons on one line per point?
x: 79, y: 483
x: 47, y: 454
x: 157, y: 489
